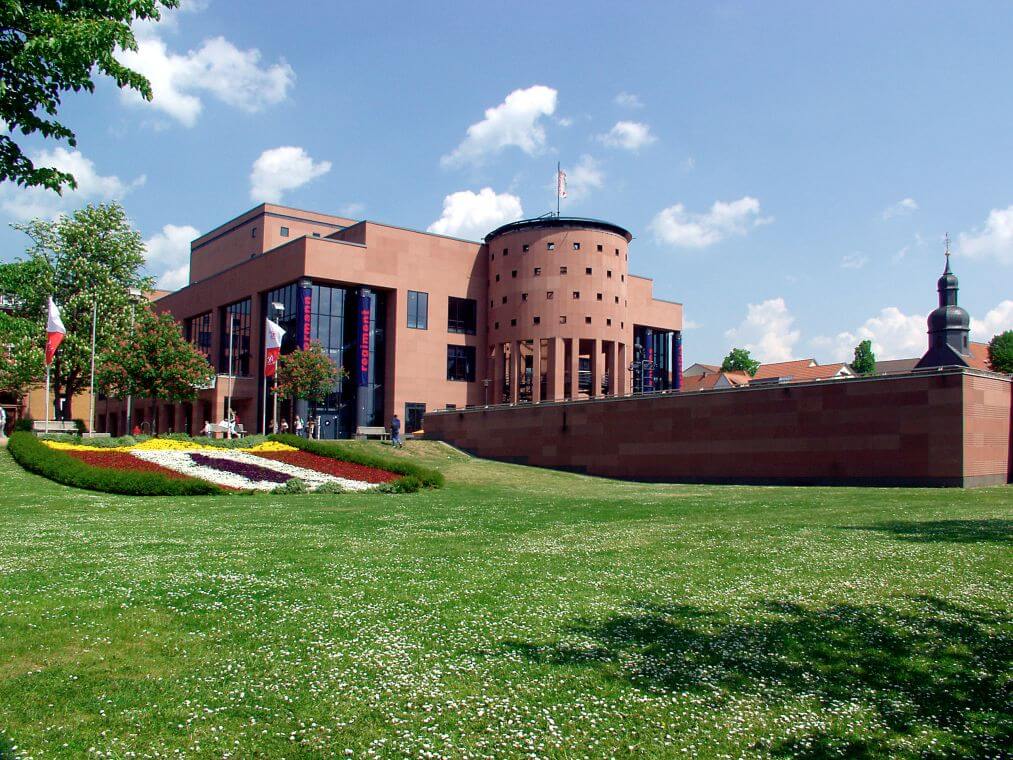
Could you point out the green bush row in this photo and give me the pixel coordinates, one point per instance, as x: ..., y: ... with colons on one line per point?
x: 37, y: 457
x: 98, y: 443
x: 415, y: 475
x: 222, y: 443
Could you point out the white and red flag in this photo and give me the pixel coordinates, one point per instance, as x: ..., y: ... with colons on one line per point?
x: 272, y: 347
x: 560, y: 183
x: 54, y: 331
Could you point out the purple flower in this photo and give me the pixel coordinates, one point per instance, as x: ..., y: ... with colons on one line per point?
x: 246, y: 470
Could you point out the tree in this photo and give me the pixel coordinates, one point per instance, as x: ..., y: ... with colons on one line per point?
x: 92, y: 257
x: 739, y: 360
x: 154, y: 361
x: 48, y: 48
x: 1000, y: 352
x: 21, y: 339
x: 865, y: 359
x: 307, y: 374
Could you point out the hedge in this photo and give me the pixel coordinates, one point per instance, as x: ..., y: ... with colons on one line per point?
x: 415, y: 475
x: 37, y: 457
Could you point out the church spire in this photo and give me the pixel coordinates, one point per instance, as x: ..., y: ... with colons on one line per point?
x: 947, y: 270
x: 949, y: 325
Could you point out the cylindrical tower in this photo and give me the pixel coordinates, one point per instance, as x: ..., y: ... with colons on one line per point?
x: 557, y: 309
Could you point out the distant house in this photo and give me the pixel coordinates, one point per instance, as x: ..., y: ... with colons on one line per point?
x: 712, y: 380
x: 697, y: 370
x: 802, y: 369
x: 976, y: 358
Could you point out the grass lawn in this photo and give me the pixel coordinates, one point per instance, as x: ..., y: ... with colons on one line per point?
x: 516, y: 612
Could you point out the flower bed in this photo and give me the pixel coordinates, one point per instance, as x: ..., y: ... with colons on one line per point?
x: 336, y: 467
x: 122, y: 460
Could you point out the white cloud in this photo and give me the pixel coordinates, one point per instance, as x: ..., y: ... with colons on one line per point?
x: 894, y: 335
x: 516, y: 122
x: 995, y: 241
x: 473, y: 215
x: 168, y: 255
x: 352, y: 210
x: 689, y: 324
x: 583, y: 178
x: 854, y: 261
x: 677, y: 226
x: 629, y: 135
x: 217, y: 68
x: 996, y: 321
x: 279, y: 170
x: 628, y: 100
x: 901, y: 208
x: 767, y: 332
x: 28, y: 203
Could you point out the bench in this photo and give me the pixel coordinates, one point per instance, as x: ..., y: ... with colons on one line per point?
x: 54, y: 426
x: 363, y: 433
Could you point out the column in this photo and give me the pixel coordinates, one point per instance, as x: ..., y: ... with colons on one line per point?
x: 610, y: 366
x: 536, y: 370
x: 515, y: 371
x: 556, y: 369
x: 623, y: 371
x: 574, y: 368
x: 496, y: 388
x: 596, y: 367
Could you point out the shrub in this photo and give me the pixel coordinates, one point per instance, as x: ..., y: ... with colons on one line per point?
x: 407, y: 484
x: 422, y: 477
x: 23, y: 425
x: 330, y: 486
x: 222, y: 443
x: 37, y: 457
x: 292, y: 485
x: 81, y: 427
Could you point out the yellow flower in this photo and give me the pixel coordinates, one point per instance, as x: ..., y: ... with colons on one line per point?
x: 272, y: 446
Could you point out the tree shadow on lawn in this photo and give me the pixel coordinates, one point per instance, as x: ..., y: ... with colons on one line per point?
x: 946, y: 531
x: 931, y: 666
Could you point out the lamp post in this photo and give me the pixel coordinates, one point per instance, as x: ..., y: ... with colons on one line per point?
x: 228, y: 397
x: 485, y: 384
x: 135, y: 295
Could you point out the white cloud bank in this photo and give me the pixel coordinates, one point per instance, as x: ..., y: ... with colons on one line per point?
x: 994, y: 241
x: 894, y: 335
x: 628, y: 135
x: 902, y: 207
x: 999, y: 319
x: 679, y: 227
x: 516, y: 122
x: 217, y: 68
x: 92, y: 187
x: 473, y: 215
x: 168, y: 255
x: 278, y: 170
x: 767, y: 332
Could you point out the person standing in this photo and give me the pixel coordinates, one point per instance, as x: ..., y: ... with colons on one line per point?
x: 395, y: 432
x: 3, y: 423
x: 300, y: 427
x: 284, y: 427
x: 311, y: 428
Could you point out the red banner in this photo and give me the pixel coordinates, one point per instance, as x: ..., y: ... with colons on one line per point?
x: 271, y: 362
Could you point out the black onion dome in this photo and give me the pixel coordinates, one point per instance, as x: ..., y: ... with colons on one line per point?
x: 949, y: 318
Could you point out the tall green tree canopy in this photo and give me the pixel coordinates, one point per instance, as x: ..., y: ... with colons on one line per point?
x: 21, y: 338
x: 93, y: 256
x: 740, y: 360
x: 307, y: 374
x: 1000, y: 352
x: 51, y: 47
x: 154, y: 360
x: 865, y: 359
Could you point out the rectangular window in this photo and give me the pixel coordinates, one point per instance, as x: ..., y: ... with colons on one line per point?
x: 253, y: 232
x: 562, y: 270
x: 576, y: 294
x: 608, y: 323
x: 418, y: 310
x: 524, y: 296
x: 587, y: 320
x: 576, y: 246
x: 525, y: 248
x: 237, y: 336
x: 513, y: 273
x: 549, y: 294
x: 462, y: 315
x: 599, y: 248
x: 413, y: 414
x: 551, y: 246
x: 538, y: 271
x: 537, y: 320
x: 198, y: 332
x: 617, y: 251
x: 587, y: 270
x: 599, y: 296
x: 284, y: 231
x: 609, y: 274
x: 506, y: 251
x: 316, y: 234
x: 504, y: 299
x: 562, y: 319
x: 461, y: 363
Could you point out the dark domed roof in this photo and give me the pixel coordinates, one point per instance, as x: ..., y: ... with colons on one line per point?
x: 948, y: 318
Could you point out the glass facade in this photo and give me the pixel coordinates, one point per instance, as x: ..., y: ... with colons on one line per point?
x: 198, y: 332
x: 418, y: 310
x: 654, y: 353
x: 238, y: 337
x: 288, y: 317
x: 462, y: 315
x: 461, y: 363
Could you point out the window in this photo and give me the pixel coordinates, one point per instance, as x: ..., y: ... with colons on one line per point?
x: 622, y: 278
x: 538, y: 271
x: 549, y: 294
x: 622, y: 325
x: 253, y: 232
x: 525, y: 248
x: 617, y: 299
x: 537, y: 320
x: 504, y: 299
x: 599, y: 296
x: 608, y: 323
x: 576, y: 295
x: 413, y: 414
x: 562, y: 270
x: 513, y: 323
x: 461, y: 363
x: 587, y: 320
x: 238, y: 314
x: 609, y: 274
x: 576, y: 246
x: 198, y: 332
x: 562, y: 319
x: 284, y: 231
x: 497, y: 325
x: 587, y: 270
x: 492, y: 256
x: 497, y: 278
x: 600, y: 247
x: 506, y: 251
x: 513, y: 273
x: 316, y: 234
x: 551, y: 246
x: 418, y: 310
x: 617, y: 251
x: 462, y: 315
x: 492, y: 304
x: 524, y: 296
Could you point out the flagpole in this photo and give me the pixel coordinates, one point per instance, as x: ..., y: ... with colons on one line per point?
x: 228, y: 400
x: 47, y: 398
x: 91, y: 404
x: 559, y: 168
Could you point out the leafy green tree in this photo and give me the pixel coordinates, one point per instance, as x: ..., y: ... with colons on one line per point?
x: 740, y: 360
x: 1000, y: 352
x: 865, y: 360
x: 307, y: 374
x: 51, y: 47
x: 21, y: 339
x: 92, y: 256
x: 154, y: 361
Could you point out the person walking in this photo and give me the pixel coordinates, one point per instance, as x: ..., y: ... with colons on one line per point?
x: 300, y: 427
x: 311, y: 428
x: 395, y: 432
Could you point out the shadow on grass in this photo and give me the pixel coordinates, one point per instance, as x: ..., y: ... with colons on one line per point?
x: 932, y: 675
x: 946, y: 531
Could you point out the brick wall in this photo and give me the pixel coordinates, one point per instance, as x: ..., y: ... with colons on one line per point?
x: 948, y: 428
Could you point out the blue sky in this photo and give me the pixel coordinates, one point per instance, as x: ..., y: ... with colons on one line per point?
x: 788, y: 169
